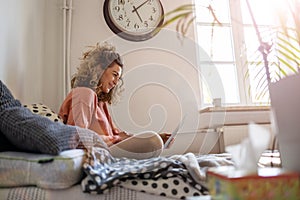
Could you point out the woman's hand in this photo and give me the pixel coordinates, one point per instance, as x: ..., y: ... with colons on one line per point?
x: 165, y: 137
x: 124, y: 135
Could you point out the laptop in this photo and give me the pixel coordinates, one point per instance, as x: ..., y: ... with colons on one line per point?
x: 285, y: 104
x: 174, y: 133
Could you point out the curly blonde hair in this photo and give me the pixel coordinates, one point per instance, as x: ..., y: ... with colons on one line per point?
x: 93, y: 63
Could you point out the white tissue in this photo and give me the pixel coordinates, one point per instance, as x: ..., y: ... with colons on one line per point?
x: 247, y: 154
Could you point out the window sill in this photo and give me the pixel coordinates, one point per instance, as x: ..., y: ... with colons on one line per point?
x: 214, y: 117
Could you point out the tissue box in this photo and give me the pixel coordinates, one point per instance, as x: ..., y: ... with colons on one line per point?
x: 229, y: 183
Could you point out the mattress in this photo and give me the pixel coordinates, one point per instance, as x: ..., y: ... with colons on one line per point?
x: 40, y: 176
x: 74, y: 193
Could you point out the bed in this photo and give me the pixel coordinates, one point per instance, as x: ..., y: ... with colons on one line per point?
x: 91, y: 173
x: 72, y: 175
x: 94, y: 174
x: 78, y: 174
x: 97, y: 175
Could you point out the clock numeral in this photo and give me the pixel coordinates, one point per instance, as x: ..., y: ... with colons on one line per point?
x: 146, y: 24
x: 154, y: 10
x: 120, y: 18
x: 117, y: 8
x: 136, y: 26
x: 121, y: 2
x: 128, y: 22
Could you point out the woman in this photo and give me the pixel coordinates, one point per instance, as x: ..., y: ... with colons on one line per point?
x: 98, y: 82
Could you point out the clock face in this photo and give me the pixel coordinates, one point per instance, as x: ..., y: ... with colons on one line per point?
x: 134, y: 20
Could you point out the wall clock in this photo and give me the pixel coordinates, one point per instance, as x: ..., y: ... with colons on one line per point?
x: 134, y: 20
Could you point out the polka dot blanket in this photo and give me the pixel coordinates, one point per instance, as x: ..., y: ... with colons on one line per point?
x: 178, y: 176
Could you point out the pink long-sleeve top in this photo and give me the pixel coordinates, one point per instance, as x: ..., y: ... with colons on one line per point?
x: 82, y: 108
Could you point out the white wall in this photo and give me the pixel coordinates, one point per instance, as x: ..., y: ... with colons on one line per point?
x: 22, y: 46
x: 29, y: 55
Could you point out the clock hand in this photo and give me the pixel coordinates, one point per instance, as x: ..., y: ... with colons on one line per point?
x: 135, y: 8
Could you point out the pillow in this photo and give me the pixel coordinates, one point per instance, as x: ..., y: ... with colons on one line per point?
x: 22, y: 130
x: 34, y: 133
x: 43, y: 110
x: 41, y: 170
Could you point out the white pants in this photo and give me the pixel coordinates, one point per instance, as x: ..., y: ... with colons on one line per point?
x: 139, y: 146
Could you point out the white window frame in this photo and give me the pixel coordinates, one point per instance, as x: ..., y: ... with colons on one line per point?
x: 240, y: 54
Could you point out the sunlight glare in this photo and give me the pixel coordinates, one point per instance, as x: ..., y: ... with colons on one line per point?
x: 269, y: 12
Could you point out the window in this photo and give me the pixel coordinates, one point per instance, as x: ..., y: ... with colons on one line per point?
x: 229, y: 51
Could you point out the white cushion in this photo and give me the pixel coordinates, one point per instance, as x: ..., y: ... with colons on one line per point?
x: 41, y: 170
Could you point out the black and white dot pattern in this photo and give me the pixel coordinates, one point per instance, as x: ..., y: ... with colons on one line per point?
x: 162, y: 176
x: 173, y: 187
x: 43, y: 110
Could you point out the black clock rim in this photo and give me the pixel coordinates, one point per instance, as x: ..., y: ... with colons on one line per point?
x: 127, y: 36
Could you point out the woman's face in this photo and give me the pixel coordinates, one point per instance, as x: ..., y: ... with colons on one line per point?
x: 110, y: 77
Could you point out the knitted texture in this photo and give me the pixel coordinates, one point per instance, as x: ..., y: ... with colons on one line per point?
x: 34, y: 133
x: 6, y: 98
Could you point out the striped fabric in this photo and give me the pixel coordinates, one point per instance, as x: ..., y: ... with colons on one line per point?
x: 74, y: 193
x: 32, y: 193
